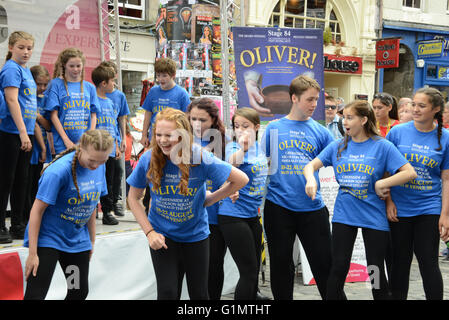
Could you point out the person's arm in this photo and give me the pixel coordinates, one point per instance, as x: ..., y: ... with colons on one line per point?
x: 43, y: 122
x: 146, y: 126
x: 237, y: 179
x: 122, y: 123
x: 443, y: 224
x: 60, y: 129
x: 93, y: 120
x: 12, y: 101
x: 404, y: 174
x: 308, y: 171
x: 37, y: 211
x: 91, y: 227
x: 155, y: 239
x: 40, y: 141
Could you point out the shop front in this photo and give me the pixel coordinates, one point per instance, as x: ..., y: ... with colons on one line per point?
x: 423, y: 60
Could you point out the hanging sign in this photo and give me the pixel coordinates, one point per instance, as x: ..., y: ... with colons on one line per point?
x: 387, y: 53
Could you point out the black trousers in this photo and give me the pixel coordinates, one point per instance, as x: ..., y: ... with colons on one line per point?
x: 114, y: 174
x: 243, y: 237
x: 14, y: 167
x: 343, y: 239
x: 281, y: 228
x: 34, y: 175
x: 419, y: 235
x: 216, y: 262
x: 179, y: 257
x: 76, y: 271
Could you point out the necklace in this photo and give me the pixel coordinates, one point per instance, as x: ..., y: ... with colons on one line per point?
x: 388, y: 126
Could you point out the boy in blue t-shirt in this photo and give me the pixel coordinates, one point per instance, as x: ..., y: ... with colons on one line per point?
x: 122, y: 111
x: 103, y: 78
x: 290, y: 143
x: 166, y: 94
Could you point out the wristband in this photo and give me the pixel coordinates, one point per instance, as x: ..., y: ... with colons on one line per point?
x: 146, y: 234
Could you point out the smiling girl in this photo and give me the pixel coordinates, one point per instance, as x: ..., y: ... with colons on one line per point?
x: 176, y: 228
x: 419, y: 210
x: 71, y: 100
x: 16, y: 131
x: 360, y: 161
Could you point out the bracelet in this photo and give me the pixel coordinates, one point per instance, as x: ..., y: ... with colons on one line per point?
x: 146, y: 234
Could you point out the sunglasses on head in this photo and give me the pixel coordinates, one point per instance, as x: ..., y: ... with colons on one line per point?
x: 329, y: 106
x: 385, y: 98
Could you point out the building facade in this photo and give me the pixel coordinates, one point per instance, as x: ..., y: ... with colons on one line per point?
x: 349, y: 29
x: 423, y: 28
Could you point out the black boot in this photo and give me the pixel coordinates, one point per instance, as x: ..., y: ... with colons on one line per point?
x: 109, y: 219
x: 118, y: 209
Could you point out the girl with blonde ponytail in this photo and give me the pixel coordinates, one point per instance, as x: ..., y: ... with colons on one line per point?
x: 62, y: 226
x: 16, y: 131
x: 177, y: 226
x: 71, y: 100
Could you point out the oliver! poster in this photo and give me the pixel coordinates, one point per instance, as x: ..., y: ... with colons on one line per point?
x: 268, y: 59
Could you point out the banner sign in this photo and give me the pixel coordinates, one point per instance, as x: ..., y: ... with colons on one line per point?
x: 55, y: 25
x: 268, y: 59
x: 344, y: 64
x: 387, y: 53
x: 430, y: 49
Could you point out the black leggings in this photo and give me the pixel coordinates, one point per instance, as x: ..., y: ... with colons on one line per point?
x: 313, y: 229
x: 243, y: 237
x: 14, y: 166
x: 171, y: 263
x: 343, y: 239
x: 217, y: 254
x: 76, y: 270
x: 420, y: 235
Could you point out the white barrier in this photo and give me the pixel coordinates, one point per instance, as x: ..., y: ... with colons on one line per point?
x: 121, y: 269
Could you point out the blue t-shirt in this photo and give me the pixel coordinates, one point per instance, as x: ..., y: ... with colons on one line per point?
x: 181, y: 218
x: 423, y: 194
x: 14, y: 75
x: 74, y: 111
x: 36, y: 148
x: 121, y: 108
x: 291, y: 145
x: 158, y: 99
x: 360, y: 165
x: 64, y: 222
x: 107, y: 120
x: 212, y: 186
x: 3, y: 107
x: 255, y: 166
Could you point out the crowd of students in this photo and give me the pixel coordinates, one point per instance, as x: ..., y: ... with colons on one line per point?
x: 204, y: 187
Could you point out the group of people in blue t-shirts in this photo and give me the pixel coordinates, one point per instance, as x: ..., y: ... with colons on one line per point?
x: 66, y: 128
x: 206, y: 187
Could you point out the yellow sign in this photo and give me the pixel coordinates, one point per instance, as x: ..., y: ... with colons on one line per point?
x: 430, y: 49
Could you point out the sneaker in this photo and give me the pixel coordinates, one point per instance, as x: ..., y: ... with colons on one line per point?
x: 118, y: 209
x: 5, y: 237
x: 17, y: 232
x: 109, y: 219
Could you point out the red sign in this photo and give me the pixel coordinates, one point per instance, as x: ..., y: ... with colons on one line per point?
x: 345, y: 64
x: 387, y: 53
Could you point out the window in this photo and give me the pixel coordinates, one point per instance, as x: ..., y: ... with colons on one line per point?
x: 133, y: 9
x: 411, y: 3
x: 306, y: 14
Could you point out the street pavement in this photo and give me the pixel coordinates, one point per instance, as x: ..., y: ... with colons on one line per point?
x: 356, y: 290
